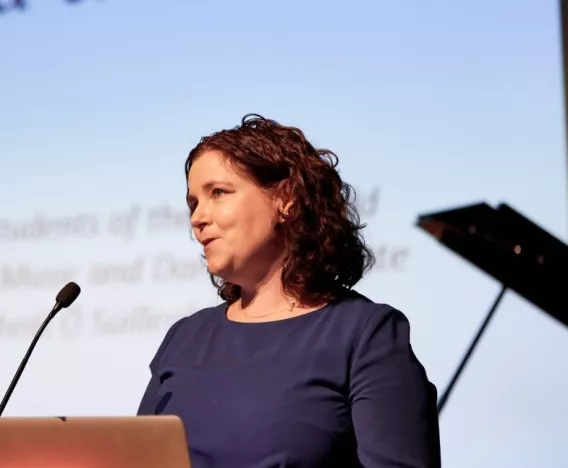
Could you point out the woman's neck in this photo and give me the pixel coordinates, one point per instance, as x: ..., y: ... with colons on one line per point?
x: 265, y: 296
x: 267, y: 303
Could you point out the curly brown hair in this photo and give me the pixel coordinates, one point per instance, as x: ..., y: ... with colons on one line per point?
x: 326, y: 254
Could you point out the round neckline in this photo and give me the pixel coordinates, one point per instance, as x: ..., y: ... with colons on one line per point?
x: 296, y: 318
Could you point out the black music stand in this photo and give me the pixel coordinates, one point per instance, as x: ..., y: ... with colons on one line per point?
x: 512, y: 249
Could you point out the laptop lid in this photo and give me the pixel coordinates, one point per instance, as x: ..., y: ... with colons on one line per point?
x: 93, y: 442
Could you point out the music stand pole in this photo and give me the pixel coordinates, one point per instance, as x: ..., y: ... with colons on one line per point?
x: 564, y: 50
x: 471, y: 349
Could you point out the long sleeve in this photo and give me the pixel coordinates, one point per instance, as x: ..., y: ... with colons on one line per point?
x: 393, y: 403
x: 148, y: 402
x: 149, y: 399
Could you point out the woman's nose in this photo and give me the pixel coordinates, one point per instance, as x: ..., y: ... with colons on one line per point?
x: 200, y: 217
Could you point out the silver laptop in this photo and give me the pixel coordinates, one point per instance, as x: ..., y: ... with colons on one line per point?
x: 110, y: 442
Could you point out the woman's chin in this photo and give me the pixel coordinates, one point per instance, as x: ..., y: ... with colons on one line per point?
x: 220, y: 269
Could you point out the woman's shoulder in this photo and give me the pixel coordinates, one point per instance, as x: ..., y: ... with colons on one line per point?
x: 358, y: 308
x: 190, y: 324
x: 366, y: 319
x: 201, y: 316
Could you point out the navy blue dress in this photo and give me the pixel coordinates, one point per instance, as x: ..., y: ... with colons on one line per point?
x: 337, y: 387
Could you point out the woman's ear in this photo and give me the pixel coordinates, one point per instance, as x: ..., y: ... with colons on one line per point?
x: 283, y: 203
x: 284, y: 210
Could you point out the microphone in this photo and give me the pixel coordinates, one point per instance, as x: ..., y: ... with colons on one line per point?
x: 64, y: 299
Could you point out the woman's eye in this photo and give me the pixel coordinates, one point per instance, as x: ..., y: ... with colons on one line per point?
x: 217, y: 192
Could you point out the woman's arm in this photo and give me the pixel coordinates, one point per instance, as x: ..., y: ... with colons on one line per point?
x: 393, y: 403
x: 149, y: 399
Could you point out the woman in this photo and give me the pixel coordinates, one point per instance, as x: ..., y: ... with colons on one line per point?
x: 294, y: 368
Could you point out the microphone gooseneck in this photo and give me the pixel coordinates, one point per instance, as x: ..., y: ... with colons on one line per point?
x: 64, y: 299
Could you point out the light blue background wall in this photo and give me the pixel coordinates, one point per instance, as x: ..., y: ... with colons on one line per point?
x: 428, y: 105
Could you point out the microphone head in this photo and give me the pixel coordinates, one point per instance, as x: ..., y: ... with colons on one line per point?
x: 68, y: 294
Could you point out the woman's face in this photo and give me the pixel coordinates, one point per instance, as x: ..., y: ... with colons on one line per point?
x: 234, y: 219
